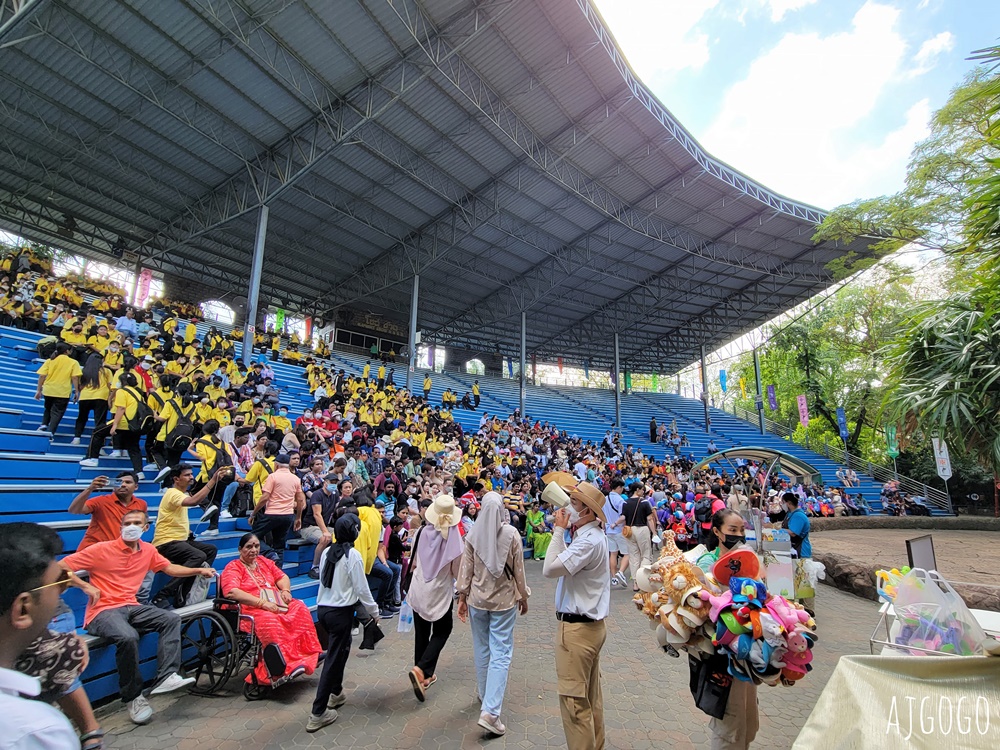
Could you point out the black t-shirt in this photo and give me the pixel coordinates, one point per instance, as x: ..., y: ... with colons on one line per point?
x: 329, y: 503
x: 640, y: 515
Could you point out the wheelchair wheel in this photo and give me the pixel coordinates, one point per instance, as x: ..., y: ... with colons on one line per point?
x: 208, y: 649
x: 254, y: 691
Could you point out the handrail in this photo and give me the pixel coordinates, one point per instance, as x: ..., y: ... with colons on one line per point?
x: 877, y: 471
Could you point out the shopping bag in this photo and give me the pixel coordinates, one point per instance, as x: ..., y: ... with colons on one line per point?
x: 405, y: 623
x: 710, y: 683
x: 932, y: 616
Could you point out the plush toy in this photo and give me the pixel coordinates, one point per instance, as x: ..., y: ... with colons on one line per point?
x: 747, y: 591
x: 771, y: 630
x: 787, y: 614
x: 718, y: 603
x: 799, y: 655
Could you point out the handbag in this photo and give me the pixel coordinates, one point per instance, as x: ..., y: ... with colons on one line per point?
x: 373, y: 634
x: 710, y: 683
x: 627, y: 531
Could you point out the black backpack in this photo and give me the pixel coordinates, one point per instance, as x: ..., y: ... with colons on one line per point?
x: 222, y: 457
x: 144, y: 419
x: 703, y: 509
x: 241, y: 503
x: 180, y: 437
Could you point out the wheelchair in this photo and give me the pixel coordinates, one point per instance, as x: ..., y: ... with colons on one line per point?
x: 214, y: 649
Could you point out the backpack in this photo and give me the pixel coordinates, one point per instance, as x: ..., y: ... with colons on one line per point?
x: 159, y: 399
x: 144, y: 418
x: 703, y: 509
x: 242, y: 501
x: 222, y: 457
x: 180, y: 436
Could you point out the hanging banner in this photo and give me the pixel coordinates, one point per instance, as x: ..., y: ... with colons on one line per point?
x: 559, y: 362
x: 309, y: 329
x: 891, y: 441
x: 941, y: 458
x: 842, y: 422
x: 510, y: 367
x: 656, y: 383
x: 772, y: 398
x: 803, y: 411
x: 586, y: 369
x: 279, y: 320
x: 723, y: 380
x: 145, y: 278
x: 628, y: 381
x: 430, y: 357
x: 743, y: 387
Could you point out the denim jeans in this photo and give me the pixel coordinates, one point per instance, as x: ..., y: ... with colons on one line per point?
x: 397, y: 570
x: 493, y: 647
x: 380, y: 583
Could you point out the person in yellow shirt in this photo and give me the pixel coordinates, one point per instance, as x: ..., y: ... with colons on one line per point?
x: 203, y: 409
x: 261, y: 469
x: 190, y: 331
x: 427, y: 386
x: 73, y: 334
x: 215, y: 390
x: 380, y: 384
x: 221, y: 412
x: 215, y: 456
x: 95, y: 389
x: 275, y: 346
x: 126, y: 403
x: 58, y: 381
x: 280, y: 423
x: 475, y: 394
x: 114, y: 358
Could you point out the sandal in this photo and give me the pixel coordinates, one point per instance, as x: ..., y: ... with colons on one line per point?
x: 92, y: 740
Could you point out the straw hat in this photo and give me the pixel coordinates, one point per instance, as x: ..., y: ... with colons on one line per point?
x: 442, y: 513
x: 569, y: 486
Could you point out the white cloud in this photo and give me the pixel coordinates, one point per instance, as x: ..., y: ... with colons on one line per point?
x: 929, y: 51
x: 780, y: 7
x: 659, y: 35
x: 798, y: 120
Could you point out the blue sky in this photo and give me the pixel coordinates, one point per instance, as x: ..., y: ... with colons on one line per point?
x: 821, y: 100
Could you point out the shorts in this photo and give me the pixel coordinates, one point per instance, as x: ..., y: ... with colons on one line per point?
x: 311, y: 534
x: 617, y: 543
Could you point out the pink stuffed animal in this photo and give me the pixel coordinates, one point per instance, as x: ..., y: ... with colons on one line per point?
x: 785, y: 613
x: 798, y: 657
x: 718, y: 603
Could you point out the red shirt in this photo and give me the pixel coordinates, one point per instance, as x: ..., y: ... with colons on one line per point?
x: 106, y: 514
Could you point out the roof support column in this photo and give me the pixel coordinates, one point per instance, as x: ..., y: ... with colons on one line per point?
x: 616, y: 380
x: 411, y: 342
x: 253, y: 293
x: 136, y: 270
x: 522, y: 374
x: 760, y: 391
x: 704, y: 390
x: 678, y: 384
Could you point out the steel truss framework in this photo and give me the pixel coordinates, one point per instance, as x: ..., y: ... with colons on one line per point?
x: 515, y: 171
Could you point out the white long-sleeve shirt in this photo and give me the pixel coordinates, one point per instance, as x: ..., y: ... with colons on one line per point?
x: 349, y: 583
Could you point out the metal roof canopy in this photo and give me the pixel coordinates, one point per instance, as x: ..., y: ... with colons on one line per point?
x: 502, y: 149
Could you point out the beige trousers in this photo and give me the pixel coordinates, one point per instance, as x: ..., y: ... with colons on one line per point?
x: 578, y: 669
x: 738, y: 727
x: 640, y: 549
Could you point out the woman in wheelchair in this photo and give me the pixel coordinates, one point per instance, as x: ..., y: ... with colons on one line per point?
x: 282, y: 624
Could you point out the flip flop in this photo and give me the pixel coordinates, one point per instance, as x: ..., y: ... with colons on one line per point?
x: 92, y: 740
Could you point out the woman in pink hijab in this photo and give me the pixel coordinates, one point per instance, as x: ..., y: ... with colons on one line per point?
x: 435, y: 560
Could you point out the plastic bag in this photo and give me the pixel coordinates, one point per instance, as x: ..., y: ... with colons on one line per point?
x: 932, y: 616
x: 405, y: 622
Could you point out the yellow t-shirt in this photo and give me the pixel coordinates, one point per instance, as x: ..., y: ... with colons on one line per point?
x: 76, y: 339
x: 99, y: 343
x: 128, y: 400
x: 257, y: 475
x: 171, y: 519
x: 203, y: 412
x: 59, y: 374
x: 208, y: 455
x: 190, y: 331
x: 101, y: 390
x: 222, y: 416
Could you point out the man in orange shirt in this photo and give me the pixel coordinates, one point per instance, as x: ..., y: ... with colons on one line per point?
x: 106, y: 511
x: 279, y: 509
x: 117, y: 569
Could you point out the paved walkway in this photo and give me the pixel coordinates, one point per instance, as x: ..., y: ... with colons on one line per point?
x: 647, y: 702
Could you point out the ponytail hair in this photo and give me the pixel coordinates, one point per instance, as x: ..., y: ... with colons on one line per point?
x: 718, y: 519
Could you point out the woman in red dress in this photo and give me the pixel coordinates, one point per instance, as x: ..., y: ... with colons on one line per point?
x: 264, y: 592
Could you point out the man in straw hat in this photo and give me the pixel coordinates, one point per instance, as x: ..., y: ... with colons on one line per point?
x: 583, y: 597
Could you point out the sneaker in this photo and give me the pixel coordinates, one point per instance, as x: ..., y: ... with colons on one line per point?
x: 355, y: 631
x: 74, y: 441
x: 622, y: 580
x: 386, y: 614
x: 141, y: 477
x: 150, y: 467
x: 492, y: 724
x: 614, y: 582
x: 210, y: 511
x: 336, y: 701
x: 140, y: 711
x: 225, y: 515
x: 316, y: 723
x: 209, y: 532
x: 89, y: 462
x: 42, y: 428
x: 314, y: 574
x: 117, y: 454
x: 162, y: 475
x: 171, y: 683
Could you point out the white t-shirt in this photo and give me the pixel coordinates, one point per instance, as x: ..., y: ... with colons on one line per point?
x: 580, y: 470
x: 613, y: 511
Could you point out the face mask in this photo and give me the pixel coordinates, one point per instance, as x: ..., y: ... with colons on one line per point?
x: 112, y: 348
x: 574, y: 515
x: 331, y: 487
x: 732, y: 540
x: 144, y: 365
x: 204, y: 400
x: 221, y: 405
x: 283, y: 413
x: 131, y: 533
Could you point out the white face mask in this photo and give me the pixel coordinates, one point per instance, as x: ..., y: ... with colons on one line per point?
x: 131, y: 533
x: 574, y: 515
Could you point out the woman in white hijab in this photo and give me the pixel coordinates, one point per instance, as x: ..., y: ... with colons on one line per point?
x: 492, y: 589
x: 434, y: 563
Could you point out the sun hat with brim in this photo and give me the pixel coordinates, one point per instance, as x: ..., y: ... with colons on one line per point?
x: 442, y: 512
x: 570, y: 486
